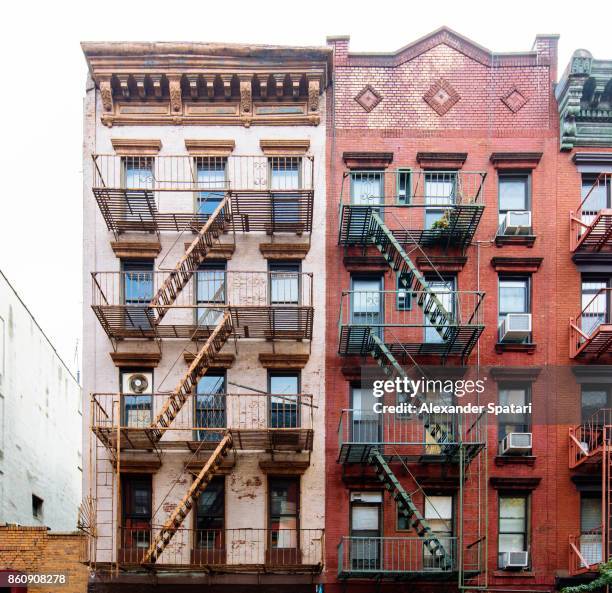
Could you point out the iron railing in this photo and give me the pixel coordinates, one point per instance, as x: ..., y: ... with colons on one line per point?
x: 405, y: 434
x: 594, y: 316
x: 184, y: 173
x: 242, y: 549
x: 587, y: 439
x: 586, y: 551
x: 591, y: 223
x: 394, y: 556
x: 207, y: 417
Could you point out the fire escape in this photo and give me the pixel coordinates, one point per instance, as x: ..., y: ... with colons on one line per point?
x: 400, y: 214
x: 590, y: 341
x: 239, y: 197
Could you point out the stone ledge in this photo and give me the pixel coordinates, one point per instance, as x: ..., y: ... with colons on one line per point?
x: 136, y: 249
x: 136, y: 359
x: 284, y: 250
x: 283, y: 361
x: 510, y: 347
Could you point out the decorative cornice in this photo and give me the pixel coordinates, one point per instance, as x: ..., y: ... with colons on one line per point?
x: 282, y: 147
x: 208, y: 84
x: 525, y: 240
x: 283, y: 361
x: 527, y: 374
x: 443, y: 263
x: 527, y: 265
x: 365, y: 263
x: 367, y: 160
x: 515, y: 160
x: 136, y: 146
x: 210, y: 147
x: 218, y: 251
x: 593, y: 158
x: 220, y: 361
x: 136, y: 359
x: 441, y: 160
x: 514, y: 483
x: 501, y: 347
x: 136, y: 249
x: 284, y: 250
x: 287, y: 467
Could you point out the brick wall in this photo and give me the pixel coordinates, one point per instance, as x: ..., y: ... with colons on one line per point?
x: 479, y: 123
x: 34, y: 549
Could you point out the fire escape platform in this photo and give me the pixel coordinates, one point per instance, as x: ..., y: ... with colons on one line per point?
x: 272, y: 322
x: 595, y: 237
x: 597, y: 344
x: 356, y: 340
x: 463, y: 220
x: 422, y: 574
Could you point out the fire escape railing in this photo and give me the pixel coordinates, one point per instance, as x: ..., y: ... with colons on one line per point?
x: 591, y: 331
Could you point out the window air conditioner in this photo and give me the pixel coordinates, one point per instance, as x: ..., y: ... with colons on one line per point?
x: 516, y: 443
x: 516, y: 222
x: 515, y: 326
x: 513, y: 560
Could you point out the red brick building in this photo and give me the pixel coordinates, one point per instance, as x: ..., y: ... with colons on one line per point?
x: 451, y: 247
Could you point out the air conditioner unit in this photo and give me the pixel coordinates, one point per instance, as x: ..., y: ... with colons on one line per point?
x: 515, y: 327
x: 137, y: 383
x: 513, y: 560
x: 516, y: 222
x: 516, y: 443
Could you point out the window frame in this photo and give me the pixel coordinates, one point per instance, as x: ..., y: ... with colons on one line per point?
x: 271, y: 516
x: 502, y: 176
x: 526, y: 496
x: 217, y: 480
x: 298, y: 408
x: 513, y: 386
x: 198, y: 162
x: 403, y: 173
x: 276, y: 266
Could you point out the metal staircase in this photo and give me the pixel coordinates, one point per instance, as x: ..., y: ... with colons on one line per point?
x: 205, y: 240
x: 409, y: 510
x: 188, y: 383
x: 175, y: 520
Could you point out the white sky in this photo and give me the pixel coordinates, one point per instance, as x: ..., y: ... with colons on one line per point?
x: 43, y: 75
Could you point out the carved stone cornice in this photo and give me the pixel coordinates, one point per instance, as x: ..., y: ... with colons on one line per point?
x: 441, y: 160
x: 283, y: 147
x: 279, y: 360
x: 218, y: 251
x: 208, y: 84
x: 220, y: 361
x: 136, y: 146
x: 136, y: 359
x: 136, y: 249
x: 515, y: 160
x: 284, y: 251
x: 367, y: 160
x: 210, y: 147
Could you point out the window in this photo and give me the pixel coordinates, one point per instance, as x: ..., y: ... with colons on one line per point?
x: 513, y: 298
x: 285, y: 283
x: 210, y: 406
x: 37, y: 507
x: 284, y: 516
x: 210, y: 515
x: 367, y: 299
x: 444, y: 289
x: 440, y: 192
x: 136, y: 393
x: 211, y: 182
x: 594, y: 397
x: 284, y: 407
x: 595, y: 302
x: 596, y: 195
x: 404, y: 301
x: 136, y: 510
x: 590, y: 528
x: 367, y: 188
x: 513, y: 192
x: 512, y: 524
x: 366, y: 425
x: 366, y: 520
x: 137, y: 173
x: 210, y: 291
x: 439, y: 516
x: 137, y: 292
x: 517, y: 394
x: 285, y: 176
x: 403, y: 187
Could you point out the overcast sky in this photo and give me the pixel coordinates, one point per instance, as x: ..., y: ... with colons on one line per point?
x: 43, y: 73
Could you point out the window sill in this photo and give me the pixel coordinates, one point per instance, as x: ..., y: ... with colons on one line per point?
x: 501, y: 460
x: 511, y: 347
x: 513, y: 574
x: 524, y: 240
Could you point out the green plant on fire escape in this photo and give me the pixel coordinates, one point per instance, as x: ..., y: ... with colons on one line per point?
x: 603, y: 580
x: 443, y: 222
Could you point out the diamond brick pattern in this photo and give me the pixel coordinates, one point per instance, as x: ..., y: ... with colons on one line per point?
x: 441, y: 96
x: 514, y: 99
x: 368, y: 98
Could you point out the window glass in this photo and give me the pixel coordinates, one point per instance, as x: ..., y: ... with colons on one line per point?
x: 284, y: 283
x: 284, y: 402
x: 444, y: 290
x: 512, y: 193
x: 210, y: 290
x: 284, y: 509
x: 138, y: 172
x: 210, y: 406
x: 285, y: 173
x: 367, y: 188
x: 512, y: 524
x: 211, y: 180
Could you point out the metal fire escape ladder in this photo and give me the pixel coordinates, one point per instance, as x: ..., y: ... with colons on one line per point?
x: 188, y: 383
x: 409, y: 509
x: 175, y: 520
x: 384, y: 357
x: 205, y: 240
x: 410, y: 278
x: 607, y: 493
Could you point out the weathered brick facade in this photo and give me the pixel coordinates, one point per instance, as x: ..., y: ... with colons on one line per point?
x: 499, y: 103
